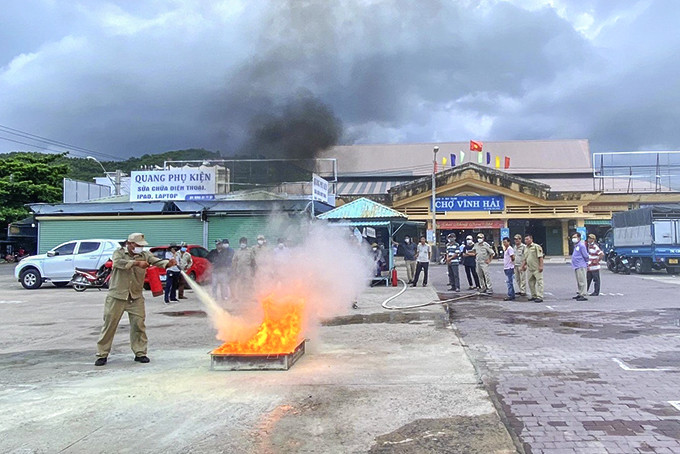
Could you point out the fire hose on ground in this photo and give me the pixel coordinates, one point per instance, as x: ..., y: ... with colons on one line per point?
x: 414, y: 306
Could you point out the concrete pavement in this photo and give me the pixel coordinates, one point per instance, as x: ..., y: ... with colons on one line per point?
x: 372, y: 381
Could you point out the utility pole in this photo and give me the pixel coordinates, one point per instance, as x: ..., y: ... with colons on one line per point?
x: 435, y: 250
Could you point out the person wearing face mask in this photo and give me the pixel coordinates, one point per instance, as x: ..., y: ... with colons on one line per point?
x: 409, y: 249
x: 260, y: 251
x: 483, y: 255
x: 171, y: 276
x: 184, y: 262
x: 595, y: 255
x: 221, y: 260
x: 243, y: 266
x: 281, y: 252
x: 378, y: 261
x: 125, y: 295
x: 468, y: 250
x: 520, y: 275
x: 423, y: 256
x: 579, y: 263
x: 452, y: 262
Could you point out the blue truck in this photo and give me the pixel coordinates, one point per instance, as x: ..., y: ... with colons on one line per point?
x: 648, y: 237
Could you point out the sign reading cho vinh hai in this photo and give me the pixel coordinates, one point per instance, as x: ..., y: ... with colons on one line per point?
x: 189, y: 183
x: 470, y: 203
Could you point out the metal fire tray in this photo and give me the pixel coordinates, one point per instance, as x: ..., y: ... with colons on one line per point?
x: 280, y: 361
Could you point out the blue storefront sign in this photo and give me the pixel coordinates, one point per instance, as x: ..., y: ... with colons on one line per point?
x: 470, y: 203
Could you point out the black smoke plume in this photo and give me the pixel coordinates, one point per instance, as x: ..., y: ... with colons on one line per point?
x: 298, y: 129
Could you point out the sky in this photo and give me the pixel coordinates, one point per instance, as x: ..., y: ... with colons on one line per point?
x: 126, y: 78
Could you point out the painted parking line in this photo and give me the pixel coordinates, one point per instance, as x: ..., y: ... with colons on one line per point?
x: 10, y: 302
x: 550, y: 307
x: 625, y: 366
x: 675, y: 403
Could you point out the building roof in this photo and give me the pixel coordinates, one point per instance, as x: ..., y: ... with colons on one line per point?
x: 85, y: 208
x: 365, y: 187
x: 364, y: 209
x: 526, y: 157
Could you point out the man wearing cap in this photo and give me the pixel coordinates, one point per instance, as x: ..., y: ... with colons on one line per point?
x: 533, y: 262
x: 452, y: 262
x: 125, y: 295
x: 595, y: 254
x: 483, y: 255
x: 520, y: 274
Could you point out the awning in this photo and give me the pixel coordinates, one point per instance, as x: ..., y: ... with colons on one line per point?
x: 465, y: 225
x: 598, y: 222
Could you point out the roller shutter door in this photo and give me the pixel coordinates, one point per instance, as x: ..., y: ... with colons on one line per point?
x: 272, y: 227
x: 157, y: 231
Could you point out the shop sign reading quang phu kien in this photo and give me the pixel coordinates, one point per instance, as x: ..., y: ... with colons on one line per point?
x: 188, y: 183
x: 470, y: 203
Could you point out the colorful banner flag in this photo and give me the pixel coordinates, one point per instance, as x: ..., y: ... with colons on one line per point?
x: 488, y: 158
x: 480, y: 158
x: 462, y: 156
x: 507, y: 162
x: 453, y: 160
x: 443, y: 161
x: 475, y: 146
x: 498, y: 162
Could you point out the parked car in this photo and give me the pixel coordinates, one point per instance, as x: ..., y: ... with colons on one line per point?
x: 59, y: 263
x: 200, y: 271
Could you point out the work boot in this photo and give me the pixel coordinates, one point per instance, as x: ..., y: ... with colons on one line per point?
x: 581, y: 298
x: 537, y: 300
x: 142, y: 359
x: 594, y: 294
x: 100, y: 361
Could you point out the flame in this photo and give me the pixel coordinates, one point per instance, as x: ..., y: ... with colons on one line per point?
x: 280, y: 331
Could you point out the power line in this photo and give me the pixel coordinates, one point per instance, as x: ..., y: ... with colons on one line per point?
x: 67, y: 146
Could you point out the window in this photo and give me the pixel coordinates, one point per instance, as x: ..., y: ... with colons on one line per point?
x: 88, y: 246
x: 65, y: 249
x: 110, y: 246
x: 198, y: 252
x: 160, y: 253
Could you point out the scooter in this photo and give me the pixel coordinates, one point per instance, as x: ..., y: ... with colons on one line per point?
x: 618, y: 263
x: 84, y: 279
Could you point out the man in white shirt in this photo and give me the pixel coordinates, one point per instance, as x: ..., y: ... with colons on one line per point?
x: 423, y: 253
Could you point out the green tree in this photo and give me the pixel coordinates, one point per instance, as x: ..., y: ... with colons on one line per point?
x: 28, y: 178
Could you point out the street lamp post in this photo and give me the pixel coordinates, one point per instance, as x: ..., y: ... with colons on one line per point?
x: 115, y: 185
x: 435, y: 251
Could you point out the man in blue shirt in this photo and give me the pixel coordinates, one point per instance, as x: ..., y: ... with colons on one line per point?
x: 579, y: 263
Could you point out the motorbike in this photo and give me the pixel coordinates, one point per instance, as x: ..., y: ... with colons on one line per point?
x: 83, y: 279
x: 618, y: 263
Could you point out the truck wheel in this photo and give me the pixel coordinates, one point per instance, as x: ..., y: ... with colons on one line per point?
x: 673, y: 270
x: 30, y: 279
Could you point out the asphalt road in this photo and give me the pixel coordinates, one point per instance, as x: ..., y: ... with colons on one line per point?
x: 600, y: 376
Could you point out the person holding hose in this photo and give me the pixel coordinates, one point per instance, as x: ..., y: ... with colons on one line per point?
x: 125, y: 295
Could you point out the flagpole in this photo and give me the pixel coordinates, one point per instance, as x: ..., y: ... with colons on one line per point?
x: 435, y: 252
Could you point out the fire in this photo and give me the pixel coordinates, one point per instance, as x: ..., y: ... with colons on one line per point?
x: 280, y: 331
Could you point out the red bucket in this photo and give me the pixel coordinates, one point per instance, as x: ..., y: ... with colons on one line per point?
x: 155, y: 284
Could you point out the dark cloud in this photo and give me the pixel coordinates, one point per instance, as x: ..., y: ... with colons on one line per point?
x: 132, y: 78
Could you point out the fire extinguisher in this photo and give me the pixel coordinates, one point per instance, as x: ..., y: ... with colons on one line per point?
x: 154, y: 281
x: 394, y: 277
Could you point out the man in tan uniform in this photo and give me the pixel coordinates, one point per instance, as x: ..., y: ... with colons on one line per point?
x: 483, y: 255
x: 533, y: 261
x: 520, y: 275
x: 125, y: 295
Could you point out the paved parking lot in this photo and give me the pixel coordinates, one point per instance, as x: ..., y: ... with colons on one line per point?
x: 601, y: 376
x: 373, y: 381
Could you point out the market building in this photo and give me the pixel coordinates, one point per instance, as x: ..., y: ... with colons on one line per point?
x: 546, y: 188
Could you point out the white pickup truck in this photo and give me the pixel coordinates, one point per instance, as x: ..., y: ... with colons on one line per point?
x: 58, y: 264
